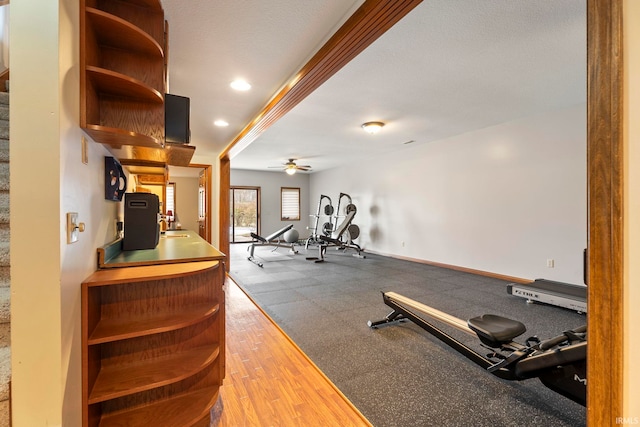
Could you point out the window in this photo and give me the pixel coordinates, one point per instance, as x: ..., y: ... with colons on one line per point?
x: 170, y: 200
x: 245, y: 213
x: 290, y: 204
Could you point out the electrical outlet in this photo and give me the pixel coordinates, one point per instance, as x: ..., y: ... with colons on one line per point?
x: 551, y: 263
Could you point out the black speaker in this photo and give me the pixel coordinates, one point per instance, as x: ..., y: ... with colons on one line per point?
x: 176, y: 119
x: 141, y: 227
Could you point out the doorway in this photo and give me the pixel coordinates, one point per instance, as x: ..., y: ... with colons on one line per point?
x: 245, y: 213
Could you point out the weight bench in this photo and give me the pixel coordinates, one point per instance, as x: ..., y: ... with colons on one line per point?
x: 274, y: 239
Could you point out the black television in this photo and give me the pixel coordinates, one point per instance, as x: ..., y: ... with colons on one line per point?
x: 176, y: 119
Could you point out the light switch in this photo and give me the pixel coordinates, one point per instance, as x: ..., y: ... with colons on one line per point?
x: 73, y: 227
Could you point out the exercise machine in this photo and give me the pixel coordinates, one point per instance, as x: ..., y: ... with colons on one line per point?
x: 573, y: 297
x: 559, y: 363
x: 341, y: 238
x: 353, y: 231
x: 327, y: 227
x: 286, y: 237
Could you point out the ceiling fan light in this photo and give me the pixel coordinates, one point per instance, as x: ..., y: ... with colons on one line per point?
x: 290, y: 170
x: 372, y: 127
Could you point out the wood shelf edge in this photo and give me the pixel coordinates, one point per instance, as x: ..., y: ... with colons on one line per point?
x: 119, y: 381
x: 183, y: 410
x: 121, y: 85
x: 114, y: 276
x: 122, y: 33
x: 152, y: 4
x: 124, y: 328
x: 117, y: 137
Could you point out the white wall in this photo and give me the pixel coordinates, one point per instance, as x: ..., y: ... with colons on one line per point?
x: 187, y: 202
x: 48, y: 179
x: 270, y: 184
x: 632, y: 209
x: 502, y: 199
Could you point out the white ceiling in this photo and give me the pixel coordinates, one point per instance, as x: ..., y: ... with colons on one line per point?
x: 447, y: 68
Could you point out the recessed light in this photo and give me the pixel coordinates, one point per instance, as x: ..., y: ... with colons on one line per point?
x: 240, y: 84
x: 221, y: 123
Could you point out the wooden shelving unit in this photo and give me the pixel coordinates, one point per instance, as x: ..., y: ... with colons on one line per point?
x: 123, y: 79
x: 153, y: 344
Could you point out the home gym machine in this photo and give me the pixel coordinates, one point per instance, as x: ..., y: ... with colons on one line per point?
x: 342, y: 237
x: 327, y: 227
x: 286, y: 237
x: 352, y: 231
x: 559, y: 362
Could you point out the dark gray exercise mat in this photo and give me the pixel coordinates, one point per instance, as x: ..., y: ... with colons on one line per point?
x: 401, y: 375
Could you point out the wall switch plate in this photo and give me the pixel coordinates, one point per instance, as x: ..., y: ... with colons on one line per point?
x: 72, y: 230
x: 73, y: 227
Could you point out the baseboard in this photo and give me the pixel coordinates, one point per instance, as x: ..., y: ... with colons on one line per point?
x: 456, y: 267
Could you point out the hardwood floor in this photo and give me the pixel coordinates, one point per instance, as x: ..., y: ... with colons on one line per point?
x: 269, y: 381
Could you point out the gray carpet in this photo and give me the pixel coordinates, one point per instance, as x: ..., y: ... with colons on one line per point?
x: 401, y: 375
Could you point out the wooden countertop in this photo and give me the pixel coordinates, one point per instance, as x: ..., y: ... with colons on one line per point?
x: 175, y: 246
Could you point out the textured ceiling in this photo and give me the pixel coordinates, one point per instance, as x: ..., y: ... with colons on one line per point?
x: 212, y: 42
x: 447, y: 68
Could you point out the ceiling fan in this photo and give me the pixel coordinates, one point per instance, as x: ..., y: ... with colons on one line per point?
x: 291, y: 167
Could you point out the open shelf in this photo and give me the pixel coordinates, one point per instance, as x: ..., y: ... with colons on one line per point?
x: 122, y: 380
x: 185, y: 410
x: 153, y: 340
x: 112, y: 83
x: 123, y: 80
x: 108, y: 330
x: 117, y: 137
x: 113, y: 31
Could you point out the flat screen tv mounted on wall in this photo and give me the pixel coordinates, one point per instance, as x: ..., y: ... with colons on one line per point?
x: 176, y: 119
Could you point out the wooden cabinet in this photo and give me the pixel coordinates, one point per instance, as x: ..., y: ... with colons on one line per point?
x: 123, y: 80
x: 153, y: 344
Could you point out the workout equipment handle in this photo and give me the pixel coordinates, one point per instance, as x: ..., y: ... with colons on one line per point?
x: 552, y: 342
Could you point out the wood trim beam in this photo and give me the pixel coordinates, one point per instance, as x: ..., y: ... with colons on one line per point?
x: 605, y: 211
x: 224, y: 208
x: 368, y: 23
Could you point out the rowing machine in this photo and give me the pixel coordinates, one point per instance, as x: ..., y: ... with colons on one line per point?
x: 559, y: 362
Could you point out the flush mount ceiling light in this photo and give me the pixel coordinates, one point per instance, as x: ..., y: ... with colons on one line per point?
x: 241, y: 85
x: 221, y: 123
x: 372, y: 127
